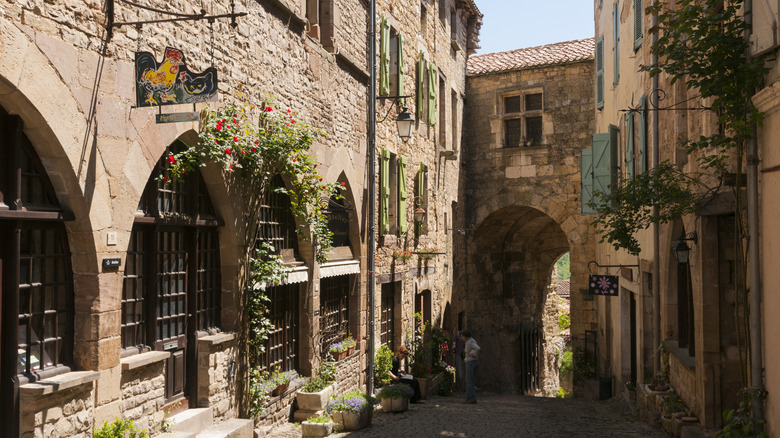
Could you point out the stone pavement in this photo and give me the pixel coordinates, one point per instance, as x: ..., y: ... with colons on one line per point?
x: 501, y: 415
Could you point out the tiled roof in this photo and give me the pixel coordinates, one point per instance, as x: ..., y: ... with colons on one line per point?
x: 519, y: 59
x: 563, y: 287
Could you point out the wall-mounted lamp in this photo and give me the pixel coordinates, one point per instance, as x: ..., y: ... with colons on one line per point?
x: 405, y: 119
x: 419, y: 212
x: 231, y: 371
x: 682, y: 250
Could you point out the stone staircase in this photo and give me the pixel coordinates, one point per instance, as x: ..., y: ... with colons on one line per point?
x: 199, y: 423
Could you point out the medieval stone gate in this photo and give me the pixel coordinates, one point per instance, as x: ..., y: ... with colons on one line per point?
x: 527, y: 118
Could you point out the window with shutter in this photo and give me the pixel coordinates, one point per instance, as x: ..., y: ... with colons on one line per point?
x: 384, y: 57
x: 400, y: 56
x: 422, y: 97
x: 643, y: 134
x: 384, y: 193
x: 604, y: 161
x: 420, y: 200
x: 639, y: 14
x: 586, y: 181
x: 630, y: 145
x: 402, y: 195
x: 432, y: 76
x: 616, y: 39
x: 600, y: 73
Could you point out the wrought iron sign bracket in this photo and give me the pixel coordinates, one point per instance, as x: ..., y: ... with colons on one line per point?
x: 396, y: 99
x: 177, y: 16
x: 609, y: 266
x: 660, y: 95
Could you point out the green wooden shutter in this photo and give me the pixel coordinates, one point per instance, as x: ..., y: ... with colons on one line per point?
x: 433, y: 76
x: 400, y: 89
x: 384, y: 58
x: 604, y: 162
x: 586, y: 181
x: 630, y: 145
x: 600, y: 73
x: 616, y: 40
x: 420, y: 199
x: 384, y: 193
x: 420, y: 86
x: 639, y: 15
x: 643, y: 134
x: 402, y: 195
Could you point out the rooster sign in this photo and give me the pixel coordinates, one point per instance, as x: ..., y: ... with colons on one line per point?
x: 170, y: 82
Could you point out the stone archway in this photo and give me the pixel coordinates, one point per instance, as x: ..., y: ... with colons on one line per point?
x: 508, y: 260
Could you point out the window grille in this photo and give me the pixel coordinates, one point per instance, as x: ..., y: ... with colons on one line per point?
x: 386, y: 326
x: 533, y: 102
x: 513, y: 133
x: 133, y: 311
x: 276, y: 224
x: 281, y: 350
x: 522, y: 121
x: 533, y: 130
x: 334, y: 310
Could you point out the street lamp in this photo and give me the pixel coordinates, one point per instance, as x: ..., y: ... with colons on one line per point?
x: 405, y: 123
x: 682, y: 250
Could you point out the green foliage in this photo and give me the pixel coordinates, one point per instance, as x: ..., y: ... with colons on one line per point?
x: 564, y: 321
x: 702, y: 42
x: 325, y: 375
x: 319, y: 419
x: 564, y: 267
x: 629, y: 207
x: 265, y: 269
x: 119, y: 428
x: 561, y: 393
x: 584, y: 366
x: 281, y: 144
x: 396, y: 390
x: 383, y: 364
x: 567, y: 363
x: 739, y: 422
x: 673, y: 403
x: 259, y: 387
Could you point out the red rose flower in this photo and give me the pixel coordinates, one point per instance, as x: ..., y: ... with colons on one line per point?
x: 343, y: 184
x: 255, y: 142
x: 219, y: 127
x: 235, y: 138
x: 269, y: 109
x: 243, y: 150
x: 294, y: 160
x: 254, y: 150
x: 227, y: 151
x: 289, y: 110
x: 165, y: 179
x: 171, y: 159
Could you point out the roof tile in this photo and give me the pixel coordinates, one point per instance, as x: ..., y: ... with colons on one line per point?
x: 519, y: 59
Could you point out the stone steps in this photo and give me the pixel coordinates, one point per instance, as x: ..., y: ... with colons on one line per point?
x: 199, y: 423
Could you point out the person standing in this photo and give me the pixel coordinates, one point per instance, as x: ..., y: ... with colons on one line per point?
x: 471, y: 351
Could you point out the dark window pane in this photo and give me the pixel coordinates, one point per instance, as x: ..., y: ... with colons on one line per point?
x: 533, y: 129
x: 513, y: 133
x: 533, y: 102
x: 513, y: 104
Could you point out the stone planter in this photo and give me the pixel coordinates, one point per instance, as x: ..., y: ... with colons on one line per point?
x: 316, y: 429
x: 398, y: 404
x: 429, y: 385
x: 347, y: 420
x: 311, y: 404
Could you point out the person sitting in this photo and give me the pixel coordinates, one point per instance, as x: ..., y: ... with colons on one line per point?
x: 399, y: 375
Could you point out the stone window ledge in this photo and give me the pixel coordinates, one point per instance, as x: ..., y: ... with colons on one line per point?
x: 143, y: 359
x: 217, y: 339
x: 680, y: 353
x: 59, y: 383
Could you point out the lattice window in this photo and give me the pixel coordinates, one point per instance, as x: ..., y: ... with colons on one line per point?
x: 281, y: 350
x: 386, y: 316
x: 334, y: 309
x: 276, y: 223
x: 133, y: 303
x: 522, y: 120
x: 208, y: 288
x: 45, y: 299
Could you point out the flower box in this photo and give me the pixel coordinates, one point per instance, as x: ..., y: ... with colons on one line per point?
x: 396, y: 404
x: 316, y: 429
x: 348, y: 420
x: 279, y: 390
x: 313, y: 401
x: 339, y: 355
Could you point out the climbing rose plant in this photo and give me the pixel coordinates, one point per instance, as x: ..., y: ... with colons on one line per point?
x: 279, y: 143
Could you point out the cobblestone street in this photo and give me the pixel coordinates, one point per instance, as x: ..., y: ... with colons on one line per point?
x: 502, y: 416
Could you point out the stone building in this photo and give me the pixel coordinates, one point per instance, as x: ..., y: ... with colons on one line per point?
x: 85, y: 340
x: 674, y: 318
x: 529, y: 113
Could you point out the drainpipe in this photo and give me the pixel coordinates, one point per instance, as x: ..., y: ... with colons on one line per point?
x: 371, y: 192
x: 754, y: 269
x: 656, y: 284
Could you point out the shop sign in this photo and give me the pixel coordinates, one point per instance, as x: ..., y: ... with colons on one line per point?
x: 170, y: 82
x: 606, y: 285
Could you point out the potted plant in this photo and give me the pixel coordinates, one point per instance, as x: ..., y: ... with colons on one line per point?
x: 351, y: 411
x: 315, y: 392
x: 338, y: 350
x: 318, y: 426
x: 281, y: 380
x: 402, y: 255
x: 395, y: 397
x: 350, y: 343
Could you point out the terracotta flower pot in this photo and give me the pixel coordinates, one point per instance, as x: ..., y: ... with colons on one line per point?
x: 280, y: 389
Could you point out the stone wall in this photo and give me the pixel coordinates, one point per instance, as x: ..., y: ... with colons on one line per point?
x: 217, y: 355
x: 143, y: 395
x: 62, y: 414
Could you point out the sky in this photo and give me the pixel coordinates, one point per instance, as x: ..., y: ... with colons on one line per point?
x: 516, y: 24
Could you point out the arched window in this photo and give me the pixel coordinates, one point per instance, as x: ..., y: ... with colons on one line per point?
x: 36, y: 285
x: 172, y: 274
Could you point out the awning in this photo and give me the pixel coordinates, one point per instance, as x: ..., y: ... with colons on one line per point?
x: 339, y: 268
x: 297, y: 275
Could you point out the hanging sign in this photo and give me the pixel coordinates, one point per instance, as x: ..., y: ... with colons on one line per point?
x: 170, y: 82
x: 603, y: 285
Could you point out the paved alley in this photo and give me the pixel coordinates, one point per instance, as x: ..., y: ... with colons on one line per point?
x: 502, y: 416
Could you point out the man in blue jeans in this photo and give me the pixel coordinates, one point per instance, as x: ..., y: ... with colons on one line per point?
x: 471, y: 351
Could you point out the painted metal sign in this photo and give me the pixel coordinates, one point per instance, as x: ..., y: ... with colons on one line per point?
x: 603, y: 285
x: 170, y: 82
x: 177, y: 117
